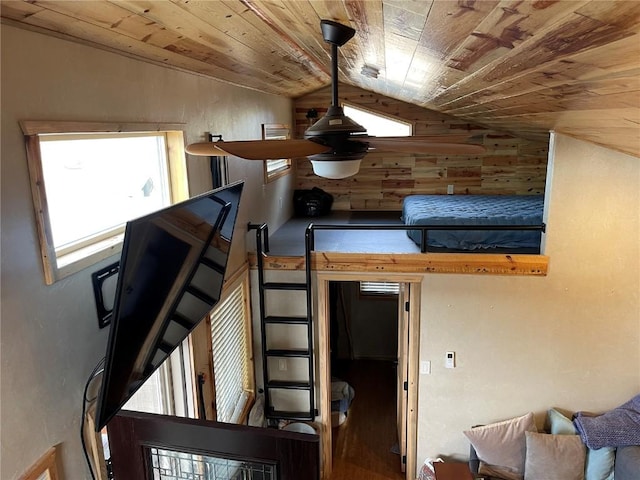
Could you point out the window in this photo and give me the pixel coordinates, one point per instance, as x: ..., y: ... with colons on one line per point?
x: 88, y: 179
x: 376, y: 124
x: 232, y: 354
x: 169, y: 390
x: 379, y: 288
x: 275, y: 168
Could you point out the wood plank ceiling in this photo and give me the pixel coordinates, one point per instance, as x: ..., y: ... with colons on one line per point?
x: 522, y: 66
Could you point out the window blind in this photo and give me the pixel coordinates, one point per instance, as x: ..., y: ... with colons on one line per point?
x: 230, y: 359
x: 277, y: 165
x: 379, y: 288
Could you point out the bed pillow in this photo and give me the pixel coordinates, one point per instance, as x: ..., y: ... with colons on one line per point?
x: 554, y: 457
x: 501, y: 446
x: 600, y: 463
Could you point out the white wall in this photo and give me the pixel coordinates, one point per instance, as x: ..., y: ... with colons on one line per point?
x: 570, y: 339
x: 49, y: 337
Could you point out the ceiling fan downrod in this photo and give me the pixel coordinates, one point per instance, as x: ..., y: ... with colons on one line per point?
x: 335, y: 129
x: 337, y: 35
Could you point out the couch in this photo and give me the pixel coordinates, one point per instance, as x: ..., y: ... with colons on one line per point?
x: 514, y: 450
x: 626, y: 463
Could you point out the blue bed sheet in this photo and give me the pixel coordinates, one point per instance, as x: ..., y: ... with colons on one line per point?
x: 475, y: 210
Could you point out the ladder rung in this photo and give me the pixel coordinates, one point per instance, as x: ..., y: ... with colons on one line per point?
x: 288, y: 353
x: 289, y: 320
x: 165, y: 347
x: 285, y: 286
x: 181, y: 320
x: 290, y: 385
x: 200, y: 295
x: 212, y: 264
x: 286, y: 415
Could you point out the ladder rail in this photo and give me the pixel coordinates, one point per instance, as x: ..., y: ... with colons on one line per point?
x: 308, y: 247
x: 260, y: 229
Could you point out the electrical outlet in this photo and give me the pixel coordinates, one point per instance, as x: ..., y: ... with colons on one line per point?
x: 282, y: 364
x: 449, y: 189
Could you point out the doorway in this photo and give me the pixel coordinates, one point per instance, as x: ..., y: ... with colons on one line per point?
x: 367, y: 345
x: 364, y: 366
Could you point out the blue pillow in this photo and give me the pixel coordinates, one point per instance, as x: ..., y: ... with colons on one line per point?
x: 600, y: 463
x: 559, y: 424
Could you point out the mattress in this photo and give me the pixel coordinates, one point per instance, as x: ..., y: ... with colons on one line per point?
x: 490, y: 210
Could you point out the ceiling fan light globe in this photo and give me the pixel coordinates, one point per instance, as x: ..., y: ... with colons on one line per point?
x: 335, y: 169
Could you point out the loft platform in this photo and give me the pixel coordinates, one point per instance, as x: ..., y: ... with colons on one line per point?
x: 382, y: 251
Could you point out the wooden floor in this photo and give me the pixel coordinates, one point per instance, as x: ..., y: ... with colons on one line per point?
x: 362, y: 446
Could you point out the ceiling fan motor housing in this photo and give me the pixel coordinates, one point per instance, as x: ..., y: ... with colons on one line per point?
x: 335, y: 130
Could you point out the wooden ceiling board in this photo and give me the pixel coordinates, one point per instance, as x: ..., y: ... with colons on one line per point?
x: 368, y: 21
x: 502, y: 30
x: 451, y: 23
x: 514, y: 62
x: 523, y: 66
x: 300, y: 22
x: 88, y: 32
x: 216, y: 37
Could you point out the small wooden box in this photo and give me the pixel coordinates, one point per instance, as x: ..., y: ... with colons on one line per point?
x: 452, y: 471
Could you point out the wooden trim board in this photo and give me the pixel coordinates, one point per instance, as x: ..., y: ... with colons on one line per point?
x: 45, y: 468
x: 462, y: 263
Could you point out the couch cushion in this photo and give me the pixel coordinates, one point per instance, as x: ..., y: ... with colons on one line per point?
x: 627, y: 463
x: 554, y: 457
x: 501, y: 446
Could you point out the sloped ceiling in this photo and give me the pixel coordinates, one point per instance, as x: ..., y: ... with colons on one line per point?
x: 522, y: 66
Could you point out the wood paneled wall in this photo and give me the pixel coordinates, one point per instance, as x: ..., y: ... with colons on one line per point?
x: 511, y: 165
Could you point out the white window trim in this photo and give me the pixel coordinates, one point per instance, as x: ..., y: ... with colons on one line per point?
x: 55, y: 267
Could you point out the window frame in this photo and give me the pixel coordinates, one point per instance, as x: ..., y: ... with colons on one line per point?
x: 102, y: 248
x: 46, y: 467
x: 276, y: 131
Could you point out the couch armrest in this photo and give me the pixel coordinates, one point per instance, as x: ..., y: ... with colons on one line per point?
x: 627, y: 463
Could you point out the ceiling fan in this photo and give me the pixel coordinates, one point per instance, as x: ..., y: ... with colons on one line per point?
x: 336, y: 144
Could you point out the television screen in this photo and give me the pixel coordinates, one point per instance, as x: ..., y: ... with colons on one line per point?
x: 172, y: 269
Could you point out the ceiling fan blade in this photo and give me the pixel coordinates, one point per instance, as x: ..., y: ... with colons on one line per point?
x: 206, y: 149
x: 445, y: 144
x: 259, y: 149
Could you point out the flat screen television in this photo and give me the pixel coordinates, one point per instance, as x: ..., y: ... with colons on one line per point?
x: 172, y: 268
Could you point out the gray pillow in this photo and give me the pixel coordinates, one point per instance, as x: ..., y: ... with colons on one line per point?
x: 554, y: 457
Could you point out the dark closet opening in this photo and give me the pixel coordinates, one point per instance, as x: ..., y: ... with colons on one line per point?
x: 364, y: 357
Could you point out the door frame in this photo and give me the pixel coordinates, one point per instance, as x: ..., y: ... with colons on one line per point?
x: 323, y: 358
